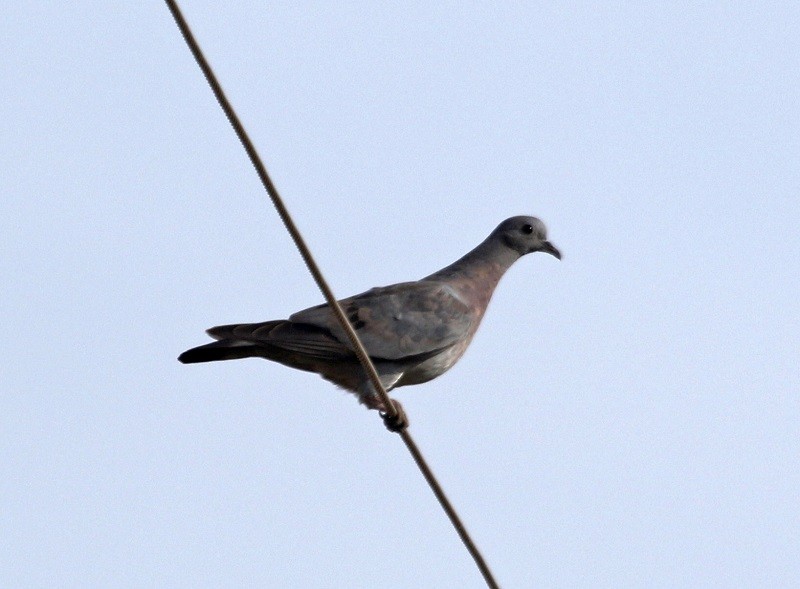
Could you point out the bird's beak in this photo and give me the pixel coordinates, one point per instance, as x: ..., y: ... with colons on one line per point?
x: 549, y: 248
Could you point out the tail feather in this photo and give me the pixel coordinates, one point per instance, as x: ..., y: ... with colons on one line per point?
x: 219, y: 350
x: 244, y: 331
x: 305, y: 347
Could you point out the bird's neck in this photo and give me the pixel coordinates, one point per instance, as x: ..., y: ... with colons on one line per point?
x: 476, y: 274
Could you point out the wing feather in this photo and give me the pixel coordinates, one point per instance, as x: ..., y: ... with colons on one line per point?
x: 398, y: 321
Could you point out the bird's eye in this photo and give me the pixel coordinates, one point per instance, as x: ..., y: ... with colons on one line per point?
x: 527, y: 229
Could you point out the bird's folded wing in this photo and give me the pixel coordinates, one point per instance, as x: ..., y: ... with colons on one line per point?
x: 398, y: 321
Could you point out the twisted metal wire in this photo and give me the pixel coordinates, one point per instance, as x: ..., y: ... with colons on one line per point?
x: 391, y: 413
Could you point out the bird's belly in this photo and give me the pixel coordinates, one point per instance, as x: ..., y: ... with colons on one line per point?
x: 432, y: 367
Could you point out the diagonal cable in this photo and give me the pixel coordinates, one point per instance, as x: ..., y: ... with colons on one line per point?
x: 363, y: 357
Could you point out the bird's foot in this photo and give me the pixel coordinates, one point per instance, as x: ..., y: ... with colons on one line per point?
x: 397, y: 422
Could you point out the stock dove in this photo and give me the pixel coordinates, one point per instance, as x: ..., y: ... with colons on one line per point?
x: 413, y: 331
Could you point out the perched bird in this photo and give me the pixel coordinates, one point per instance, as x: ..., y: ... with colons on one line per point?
x: 412, y: 331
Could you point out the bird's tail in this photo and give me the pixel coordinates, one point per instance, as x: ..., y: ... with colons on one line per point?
x: 305, y: 347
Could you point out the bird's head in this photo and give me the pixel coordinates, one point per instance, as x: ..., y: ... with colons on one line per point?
x: 525, y: 235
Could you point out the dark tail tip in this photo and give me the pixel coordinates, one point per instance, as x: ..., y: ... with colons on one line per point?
x: 221, y: 350
x: 198, y: 355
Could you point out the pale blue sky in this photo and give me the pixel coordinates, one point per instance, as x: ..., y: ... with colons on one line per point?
x: 627, y: 417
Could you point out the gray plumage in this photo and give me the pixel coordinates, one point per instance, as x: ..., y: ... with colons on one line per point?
x: 413, y: 331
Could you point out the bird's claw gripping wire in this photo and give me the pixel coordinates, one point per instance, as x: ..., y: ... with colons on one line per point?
x: 397, y: 422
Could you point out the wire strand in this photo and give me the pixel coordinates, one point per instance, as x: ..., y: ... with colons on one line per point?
x: 358, y: 347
